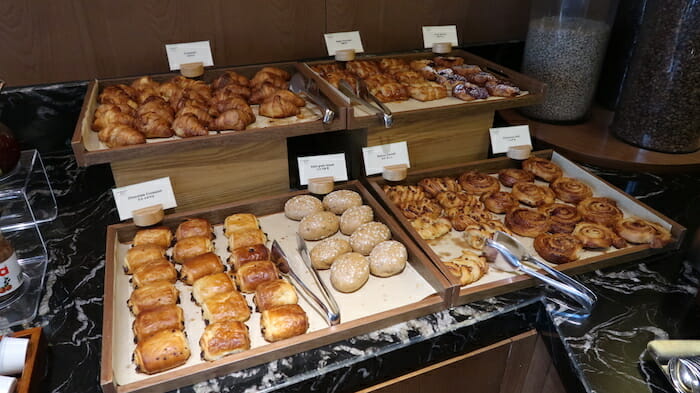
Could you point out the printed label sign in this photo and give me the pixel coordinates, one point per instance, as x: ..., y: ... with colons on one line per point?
x: 189, y: 52
x: 377, y: 157
x: 436, y: 34
x: 322, y: 166
x: 138, y: 196
x: 345, y: 40
x: 504, y: 137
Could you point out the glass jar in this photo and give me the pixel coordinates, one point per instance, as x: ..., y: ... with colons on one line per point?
x: 660, y: 102
x: 11, y: 277
x: 565, y: 47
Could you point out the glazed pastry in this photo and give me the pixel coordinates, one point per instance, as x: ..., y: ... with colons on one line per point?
x: 600, y: 210
x: 462, y: 221
x: 168, y: 317
x: 111, y: 114
x: 596, y: 236
x: 339, y: 201
x: 468, y: 267
x: 571, y: 190
x: 533, y: 195
x: 228, y: 78
x: 116, y: 135
x: 277, y: 71
x: 470, y: 203
x: 427, y: 91
x: 393, y: 64
x: 429, y: 228
x: 325, y: 69
x: 399, y: 194
x: 499, y: 201
x: 162, y: 351
x: 363, y: 68
x: 245, y: 238
x: 274, y: 293
x: 252, y: 274
x: 466, y: 91
x: 349, y: 272
x: 436, y: 185
x: 325, y: 252
x: 202, y: 265
x: 387, y: 259
x: 475, y: 235
x: 319, y: 225
x: 161, y: 237
x: 242, y: 255
x: 542, y: 168
x: 138, y: 256
x: 478, y: 183
x: 639, y: 231
x: 389, y: 92
x: 225, y: 306
x: 450, y: 199
x: 262, y: 77
x: 508, y: 177
x: 301, y: 206
x: 194, y: 227
x: 466, y: 69
x: 201, y: 113
x: 500, y: 88
x: 152, y: 125
x: 369, y: 235
x: 191, y: 247
x: 210, y: 285
x: 352, y: 218
x: 409, y: 77
x: 233, y: 119
x: 563, y: 218
x: 335, y: 77
x: 278, y: 108
x: 156, y: 270
x: 159, y: 293
x: 448, y: 61
x: 223, y: 339
x: 423, y: 208
x: 481, y: 78
x: 527, y: 222
x: 188, y: 125
x: 240, y: 221
x: 280, y: 322
x: 558, y: 247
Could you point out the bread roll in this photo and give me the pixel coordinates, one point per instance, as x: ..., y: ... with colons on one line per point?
x: 387, y: 259
x: 341, y: 200
x: 369, y: 235
x: 349, y: 272
x: 320, y: 225
x: 301, y: 206
x: 324, y: 253
x: 355, y: 216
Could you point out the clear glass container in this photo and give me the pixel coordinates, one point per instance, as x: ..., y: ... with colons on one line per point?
x: 565, y: 47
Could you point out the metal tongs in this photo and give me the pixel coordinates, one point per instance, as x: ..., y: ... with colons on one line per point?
x: 507, y: 254
x: 280, y: 259
x: 383, y: 112
x: 307, y: 87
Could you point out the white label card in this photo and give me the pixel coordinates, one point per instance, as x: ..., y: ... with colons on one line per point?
x: 189, y: 52
x: 377, y: 157
x: 321, y: 166
x: 345, y: 40
x: 140, y: 195
x: 504, y: 137
x: 436, y: 34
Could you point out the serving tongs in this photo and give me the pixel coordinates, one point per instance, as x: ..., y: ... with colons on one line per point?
x: 307, y: 87
x: 304, y: 252
x: 280, y: 259
x: 508, y: 254
x: 383, y: 112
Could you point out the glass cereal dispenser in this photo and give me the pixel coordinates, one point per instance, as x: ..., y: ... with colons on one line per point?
x: 565, y: 47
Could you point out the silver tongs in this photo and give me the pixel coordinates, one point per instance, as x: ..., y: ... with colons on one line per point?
x: 280, y: 259
x: 507, y: 254
x: 383, y: 112
x: 307, y: 87
x: 334, y: 315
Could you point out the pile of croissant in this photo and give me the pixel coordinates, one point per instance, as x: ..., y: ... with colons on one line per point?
x: 563, y: 217
x: 130, y: 114
x: 392, y: 79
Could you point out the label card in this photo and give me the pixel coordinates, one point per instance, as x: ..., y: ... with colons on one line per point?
x: 345, y: 40
x: 189, y: 52
x: 436, y: 34
x: 322, y: 166
x: 504, y: 137
x: 140, y: 195
x: 377, y: 157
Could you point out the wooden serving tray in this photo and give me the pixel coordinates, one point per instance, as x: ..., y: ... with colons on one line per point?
x: 34, y: 364
x: 421, y: 276
x: 496, y: 282
x: 89, y: 151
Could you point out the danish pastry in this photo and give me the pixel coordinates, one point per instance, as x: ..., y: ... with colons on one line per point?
x: 596, y: 236
x: 468, y: 267
x: 542, y: 168
x: 563, y: 218
x: 527, y: 222
x: 415, y: 209
x: 533, y: 195
x: 499, y: 201
x: 435, y: 185
x: 558, y: 247
x: 570, y: 190
x: 600, y: 210
x: 478, y: 183
x: 637, y: 230
x: 510, y: 176
x: 431, y: 228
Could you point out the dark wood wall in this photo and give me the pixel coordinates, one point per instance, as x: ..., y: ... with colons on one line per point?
x: 44, y: 41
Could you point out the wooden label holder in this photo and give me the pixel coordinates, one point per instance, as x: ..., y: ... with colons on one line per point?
x: 345, y: 55
x: 192, y: 70
x: 321, y: 185
x: 520, y: 152
x: 147, y: 216
x: 442, y: 48
x: 396, y: 172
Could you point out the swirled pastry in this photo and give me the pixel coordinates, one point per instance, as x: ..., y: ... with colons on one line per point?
x: 478, y: 183
x: 509, y: 176
x: 639, y: 231
x: 223, y: 339
x: 558, y: 247
x: 252, y: 274
x: 341, y: 200
x: 159, y: 293
x: 194, y: 227
x: 162, y: 351
x: 423, y: 208
x: 436, y: 185
x: 527, y: 222
x: 600, y: 210
x: 138, y: 256
x: 542, y: 168
x: 349, y: 272
x: 570, y: 190
x: 450, y: 199
x: 202, y: 265
x: 301, y: 206
x: 352, y: 218
x: 533, y: 195
x: 147, y: 323
x: 563, y: 218
x: 161, y: 237
x: 398, y: 194
x: 239, y: 222
x: 461, y: 221
x: 225, y: 306
x: 369, y: 235
x: 499, y: 201
x: 470, y: 204
x: 468, y: 267
x: 190, y: 247
x: 156, y: 270
x: 210, y: 285
x: 280, y: 322
x: 596, y: 236
x: 431, y: 228
x: 475, y: 235
x: 275, y: 293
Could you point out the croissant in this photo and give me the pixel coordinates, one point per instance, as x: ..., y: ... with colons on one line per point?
x: 145, y: 83
x: 277, y: 108
x: 268, y: 77
x: 111, y: 116
x: 262, y: 92
x: 118, y: 90
x: 167, y: 90
x: 120, y: 135
x: 201, y: 114
x: 233, y: 119
x: 277, y: 71
x: 118, y: 98
x: 233, y: 90
x: 228, y: 78
x: 188, y: 125
x: 156, y: 104
x: 222, y: 105
x: 152, y: 125
x: 427, y: 91
x: 291, y: 97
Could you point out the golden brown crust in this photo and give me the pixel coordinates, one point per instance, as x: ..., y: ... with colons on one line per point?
x: 468, y: 267
x: 398, y: 194
x: 527, y: 222
x: 449, y: 199
x: 159, y: 293
x: 210, y: 285
x: 245, y: 238
x: 115, y: 135
x: 639, y: 231
x: 448, y: 61
x: 162, y: 351
x: 153, y: 125
x: 432, y: 186
x: 426, y: 91
x: 510, y: 176
x: 233, y: 119
x: 191, y: 247
x: 389, y: 92
x: 596, y: 236
x: 274, y: 293
x: 431, y: 228
x: 140, y: 255
x: 223, y: 339
x: 240, y: 221
x: 424, y: 208
x: 558, y: 247
x: 194, y: 227
x: 363, y: 68
x: 188, y: 125
x: 242, y: 255
x: 600, y: 210
x: 155, y: 270
x: 228, y: 78
x: 202, y: 265
x: 478, y: 183
x: 499, y: 201
x: 277, y: 107
x: 542, y: 168
x: 252, y: 274
x: 225, y: 306
x: 160, y: 236
x: 563, y: 218
x: 533, y: 195
x: 571, y: 190
x: 325, y: 69
x: 281, y: 322
x: 168, y: 317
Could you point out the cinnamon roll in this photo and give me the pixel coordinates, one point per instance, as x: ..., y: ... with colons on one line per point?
x: 563, y: 218
x: 533, y: 195
x: 478, y: 183
x: 596, y: 236
x: 542, y: 168
x: 558, y: 247
x: 639, y: 231
x: 510, y: 176
x: 449, y: 199
x: 462, y: 221
x: 499, y: 201
x: 571, y: 190
x: 600, y: 210
x: 435, y: 185
x: 527, y: 222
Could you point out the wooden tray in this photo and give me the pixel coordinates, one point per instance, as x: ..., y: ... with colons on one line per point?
x: 35, y: 363
x: 496, y: 282
x: 88, y: 151
x: 411, y: 110
x: 116, y: 319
